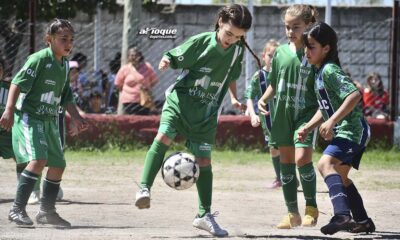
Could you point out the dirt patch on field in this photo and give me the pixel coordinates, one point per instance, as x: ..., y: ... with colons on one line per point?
x: 98, y: 201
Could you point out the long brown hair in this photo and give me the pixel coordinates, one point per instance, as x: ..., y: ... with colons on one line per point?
x: 240, y: 17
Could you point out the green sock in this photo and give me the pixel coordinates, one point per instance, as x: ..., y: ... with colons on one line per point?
x: 289, y: 186
x: 153, y: 162
x: 50, y: 191
x: 204, y: 190
x: 24, y: 189
x: 37, y: 184
x: 309, y: 182
x: 277, y: 166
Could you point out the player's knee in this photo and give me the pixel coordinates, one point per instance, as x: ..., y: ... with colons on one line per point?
x: 161, y: 137
x: 203, y: 162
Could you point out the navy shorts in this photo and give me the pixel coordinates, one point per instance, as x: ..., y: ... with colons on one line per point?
x: 346, y: 151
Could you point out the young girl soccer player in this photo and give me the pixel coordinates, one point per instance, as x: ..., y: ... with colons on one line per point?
x: 256, y: 88
x: 211, y: 64
x: 36, y: 93
x: 342, y: 119
x: 291, y: 82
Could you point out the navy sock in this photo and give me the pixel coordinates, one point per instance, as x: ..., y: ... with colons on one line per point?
x: 356, y: 203
x: 338, y: 195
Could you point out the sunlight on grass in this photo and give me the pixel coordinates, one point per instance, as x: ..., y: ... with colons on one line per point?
x: 381, y: 159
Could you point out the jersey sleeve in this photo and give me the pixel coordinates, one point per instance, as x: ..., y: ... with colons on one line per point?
x: 251, y: 92
x: 25, y: 77
x: 273, y: 72
x: 335, y: 79
x: 183, y: 56
x: 237, y: 66
x: 67, y: 96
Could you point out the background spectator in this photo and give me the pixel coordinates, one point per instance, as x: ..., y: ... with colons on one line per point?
x: 134, y: 77
x: 375, y: 97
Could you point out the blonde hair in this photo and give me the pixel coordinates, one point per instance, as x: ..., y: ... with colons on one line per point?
x: 271, y: 43
x: 307, y: 13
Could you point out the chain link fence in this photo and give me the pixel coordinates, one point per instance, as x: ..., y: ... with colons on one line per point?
x: 363, y: 48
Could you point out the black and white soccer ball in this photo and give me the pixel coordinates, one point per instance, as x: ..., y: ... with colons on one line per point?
x: 180, y: 170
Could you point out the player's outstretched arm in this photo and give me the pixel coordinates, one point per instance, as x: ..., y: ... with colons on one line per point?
x: 315, y: 121
x: 78, y: 123
x: 347, y: 106
x: 234, y: 101
x: 266, y: 97
x: 7, y: 119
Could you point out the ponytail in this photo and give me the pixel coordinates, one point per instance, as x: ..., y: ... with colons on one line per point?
x: 252, y: 52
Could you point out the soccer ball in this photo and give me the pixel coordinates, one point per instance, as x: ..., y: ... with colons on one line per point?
x: 180, y: 170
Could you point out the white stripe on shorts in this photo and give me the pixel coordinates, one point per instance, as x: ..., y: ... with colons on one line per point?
x: 25, y: 124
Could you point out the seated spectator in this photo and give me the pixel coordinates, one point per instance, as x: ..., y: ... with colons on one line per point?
x: 74, y: 83
x: 376, y: 99
x: 96, y: 103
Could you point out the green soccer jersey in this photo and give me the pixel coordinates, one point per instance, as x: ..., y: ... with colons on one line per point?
x: 44, y: 84
x: 291, y: 76
x: 4, y: 88
x: 332, y: 86
x: 193, y: 101
x: 257, y: 86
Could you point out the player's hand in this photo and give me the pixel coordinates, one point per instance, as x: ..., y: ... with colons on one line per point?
x: 302, y: 134
x: 262, y: 107
x: 326, y: 130
x: 164, y: 64
x: 7, y: 120
x: 255, y: 121
x: 239, y: 106
x: 78, y: 125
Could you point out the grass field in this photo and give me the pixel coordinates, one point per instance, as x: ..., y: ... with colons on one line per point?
x: 99, y: 189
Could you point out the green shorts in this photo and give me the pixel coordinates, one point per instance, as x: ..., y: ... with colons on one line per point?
x: 198, y: 149
x: 310, y: 140
x: 35, y: 139
x: 288, y: 137
x: 6, y: 149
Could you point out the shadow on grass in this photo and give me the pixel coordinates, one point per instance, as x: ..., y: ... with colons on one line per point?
x: 2, y: 201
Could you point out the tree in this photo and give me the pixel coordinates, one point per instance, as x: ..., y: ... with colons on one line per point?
x: 18, y: 10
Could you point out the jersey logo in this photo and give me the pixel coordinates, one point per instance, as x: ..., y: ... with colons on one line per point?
x: 49, y: 98
x: 50, y: 82
x: 30, y: 72
x: 350, y: 151
x: 205, y: 70
x: 48, y: 65
x: 323, y: 104
x: 204, y: 82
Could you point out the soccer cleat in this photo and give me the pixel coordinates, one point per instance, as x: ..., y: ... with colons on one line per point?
x: 34, y: 198
x: 367, y: 227
x: 143, y: 198
x: 19, y: 216
x: 51, y: 217
x: 310, y: 217
x: 275, y: 184
x: 208, y: 223
x: 289, y: 221
x: 338, y: 223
